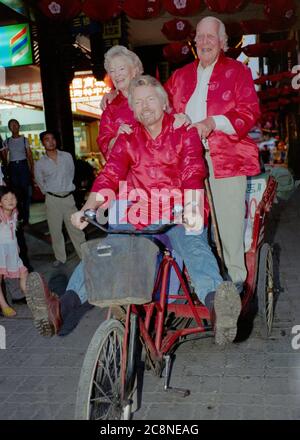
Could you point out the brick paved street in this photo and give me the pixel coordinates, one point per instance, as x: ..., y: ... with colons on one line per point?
x: 256, y: 379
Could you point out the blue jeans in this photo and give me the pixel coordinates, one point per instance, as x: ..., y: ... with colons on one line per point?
x: 20, y: 182
x: 76, y: 283
x: 196, y: 254
x: 198, y: 258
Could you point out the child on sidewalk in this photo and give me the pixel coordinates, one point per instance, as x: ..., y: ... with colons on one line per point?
x: 11, y: 265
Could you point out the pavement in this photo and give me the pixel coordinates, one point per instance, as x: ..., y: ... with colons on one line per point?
x: 255, y: 379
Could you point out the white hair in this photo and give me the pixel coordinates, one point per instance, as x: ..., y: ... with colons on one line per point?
x: 117, y: 51
x: 147, y: 80
x: 222, y: 30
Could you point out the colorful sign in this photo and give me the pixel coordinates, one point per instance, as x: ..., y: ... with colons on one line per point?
x: 15, y: 45
x: 86, y: 94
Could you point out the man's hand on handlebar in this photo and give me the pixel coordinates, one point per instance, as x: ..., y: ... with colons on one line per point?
x: 94, y: 201
x: 77, y: 220
x: 192, y: 219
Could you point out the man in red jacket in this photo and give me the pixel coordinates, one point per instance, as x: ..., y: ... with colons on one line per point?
x: 218, y: 95
x: 155, y: 160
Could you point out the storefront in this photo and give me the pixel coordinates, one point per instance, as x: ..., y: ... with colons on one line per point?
x: 86, y: 94
x: 21, y: 98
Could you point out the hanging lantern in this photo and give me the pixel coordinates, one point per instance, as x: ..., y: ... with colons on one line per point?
x: 60, y: 10
x: 273, y: 106
x: 273, y: 92
x: 182, y: 7
x: 276, y: 77
x: 254, y: 26
x: 224, y: 6
x: 142, y: 9
x: 284, y: 45
x: 262, y: 79
x: 234, y: 52
x: 257, y: 50
x: 285, y: 9
x: 284, y: 101
x: 177, y: 29
x: 101, y: 10
x: 176, y: 52
x: 233, y: 29
x: 287, y: 90
x: 263, y: 95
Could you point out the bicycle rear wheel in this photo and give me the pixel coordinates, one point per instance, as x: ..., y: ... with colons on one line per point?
x: 99, y: 389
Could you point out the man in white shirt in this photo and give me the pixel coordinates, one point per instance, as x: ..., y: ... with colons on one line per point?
x: 54, y: 173
x: 218, y: 95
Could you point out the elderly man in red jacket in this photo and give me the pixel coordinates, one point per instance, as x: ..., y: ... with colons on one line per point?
x: 157, y: 159
x: 218, y: 95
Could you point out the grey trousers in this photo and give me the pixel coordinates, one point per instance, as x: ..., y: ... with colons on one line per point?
x: 59, y: 211
x: 229, y: 201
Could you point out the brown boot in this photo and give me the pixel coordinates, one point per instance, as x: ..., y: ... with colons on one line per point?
x: 44, y: 305
x: 227, y: 308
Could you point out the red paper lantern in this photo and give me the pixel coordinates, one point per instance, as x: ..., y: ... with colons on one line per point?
x: 284, y: 101
x: 142, y: 9
x: 285, y: 9
x: 177, y: 52
x: 273, y: 92
x: 287, y: 90
x: 234, y: 29
x: 263, y: 95
x: 262, y: 79
x: 60, y: 10
x: 276, y: 77
x: 177, y: 29
x: 273, y: 106
x: 101, y: 10
x: 224, y: 6
x: 254, y: 26
x: 257, y: 50
x: 284, y: 45
x: 234, y: 52
x: 182, y: 7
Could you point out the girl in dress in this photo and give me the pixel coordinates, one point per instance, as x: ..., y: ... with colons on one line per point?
x: 11, y: 265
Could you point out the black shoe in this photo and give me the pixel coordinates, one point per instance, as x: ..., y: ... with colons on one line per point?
x: 73, y: 318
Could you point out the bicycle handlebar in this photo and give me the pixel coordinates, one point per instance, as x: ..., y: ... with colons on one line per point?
x: 90, y: 215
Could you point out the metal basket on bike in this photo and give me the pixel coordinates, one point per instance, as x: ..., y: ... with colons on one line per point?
x: 109, y: 265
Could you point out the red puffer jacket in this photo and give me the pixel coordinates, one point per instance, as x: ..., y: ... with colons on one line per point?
x: 230, y: 93
x: 173, y: 161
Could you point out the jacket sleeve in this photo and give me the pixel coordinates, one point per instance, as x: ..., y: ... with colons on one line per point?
x: 246, y: 111
x: 116, y: 168
x: 169, y: 88
x: 193, y: 167
x: 106, y: 131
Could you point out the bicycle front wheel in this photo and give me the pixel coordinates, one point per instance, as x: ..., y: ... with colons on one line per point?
x: 99, y: 389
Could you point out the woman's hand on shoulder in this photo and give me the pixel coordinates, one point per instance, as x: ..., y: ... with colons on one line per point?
x: 181, y: 119
x: 107, y: 99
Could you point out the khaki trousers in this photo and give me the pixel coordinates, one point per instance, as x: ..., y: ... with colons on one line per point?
x: 59, y: 211
x: 229, y: 201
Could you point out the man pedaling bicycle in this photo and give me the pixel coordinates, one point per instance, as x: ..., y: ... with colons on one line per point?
x: 157, y: 159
